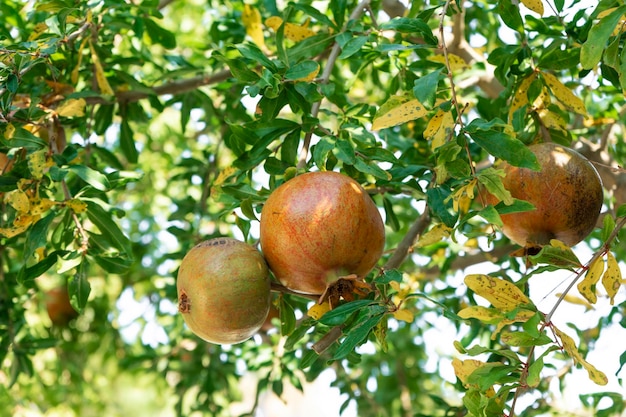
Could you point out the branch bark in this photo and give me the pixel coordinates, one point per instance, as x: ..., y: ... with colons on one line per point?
x: 174, y: 87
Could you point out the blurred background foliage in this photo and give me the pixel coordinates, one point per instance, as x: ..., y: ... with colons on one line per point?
x: 132, y: 130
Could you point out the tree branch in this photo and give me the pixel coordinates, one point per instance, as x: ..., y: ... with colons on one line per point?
x: 174, y: 87
x: 403, y: 249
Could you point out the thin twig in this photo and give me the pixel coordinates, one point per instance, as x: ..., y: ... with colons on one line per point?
x: 548, y: 317
x: 328, y: 69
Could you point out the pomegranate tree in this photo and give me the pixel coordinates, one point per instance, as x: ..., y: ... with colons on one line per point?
x: 320, y: 227
x: 223, y: 290
x: 566, y: 192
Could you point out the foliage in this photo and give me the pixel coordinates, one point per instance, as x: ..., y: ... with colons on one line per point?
x: 133, y: 130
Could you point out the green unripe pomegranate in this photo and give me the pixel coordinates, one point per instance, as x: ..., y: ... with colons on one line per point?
x: 223, y: 290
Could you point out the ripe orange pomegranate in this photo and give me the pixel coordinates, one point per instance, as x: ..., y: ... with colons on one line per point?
x: 566, y: 192
x: 58, y: 306
x: 319, y: 227
x: 223, y: 290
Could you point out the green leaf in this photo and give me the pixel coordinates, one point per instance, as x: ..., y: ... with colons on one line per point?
x: 558, y: 59
x: 389, y: 275
x: 299, y: 332
x: 390, y: 217
x: 489, y: 374
x: 287, y: 317
x: 510, y: 15
x: 22, y: 138
x: 320, y: 152
x: 92, y: 177
x: 251, y: 51
x: 353, y: 46
x: 38, y: 235
x: 108, y: 228
x: 79, y: 287
x: 113, y: 264
x: 413, y: 26
x: 301, y: 70
x: 523, y: 339
x: 441, y: 206
x: 517, y: 206
x: 503, y: 146
x: 340, y: 314
x: 592, y: 49
x: 41, y: 267
x: 345, y: 152
x: 357, y: 335
x: 159, y: 35
x: 12, y: 83
x: 371, y: 169
x: 127, y: 142
x: 556, y: 256
x: 425, y: 88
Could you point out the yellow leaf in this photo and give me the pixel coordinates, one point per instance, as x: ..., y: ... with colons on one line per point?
x: 318, y: 310
x: 551, y: 120
x: 522, y: 316
x: 572, y: 299
x: 37, y: 163
x: 252, y: 22
x: 380, y: 332
x: 456, y: 62
x: 9, y: 131
x: 587, y: 287
x: 76, y: 205
x: 18, y: 200
x: 74, y: 75
x: 612, y: 278
x: 570, y: 347
x: 534, y: 5
x: 500, y: 293
x: 398, y: 110
x: 72, y: 107
x: 564, y: 94
x: 24, y: 220
x: 484, y: 314
x: 40, y: 206
x: 10, y: 232
x: 542, y: 101
x: 40, y: 253
x: 520, y: 98
x: 439, y: 128
x: 292, y: 31
x: 37, y: 31
x: 436, y: 234
x: 463, y: 369
x: 404, y: 315
x: 101, y: 79
x: 224, y: 174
